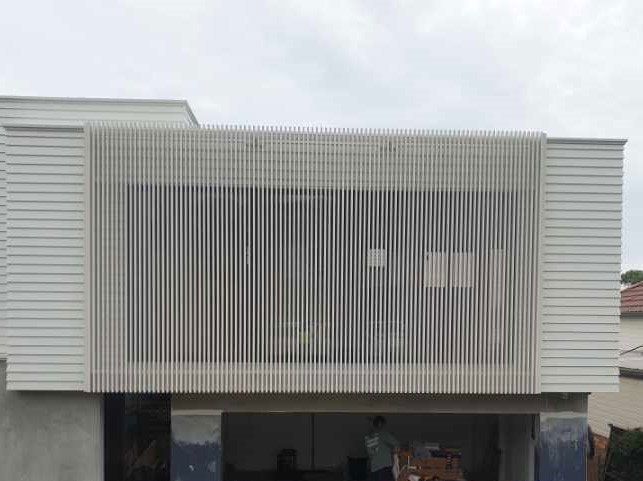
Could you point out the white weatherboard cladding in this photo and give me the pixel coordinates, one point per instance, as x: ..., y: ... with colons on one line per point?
x: 581, y: 260
x: 3, y: 245
x: 24, y: 372
x: 45, y: 252
x: 291, y: 260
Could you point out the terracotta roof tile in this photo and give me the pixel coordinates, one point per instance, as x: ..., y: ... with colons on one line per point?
x: 632, y: 299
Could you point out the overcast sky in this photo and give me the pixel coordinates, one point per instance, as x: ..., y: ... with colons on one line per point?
x: 569, y: 68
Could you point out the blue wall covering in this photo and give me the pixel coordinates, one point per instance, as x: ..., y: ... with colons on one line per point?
x: 562, y: 447
x: 196, y: 447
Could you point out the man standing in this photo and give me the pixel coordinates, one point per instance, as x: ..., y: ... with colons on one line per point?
x: 380, y: 446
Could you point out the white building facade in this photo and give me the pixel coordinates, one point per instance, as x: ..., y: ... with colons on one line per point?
x: 471, y: 272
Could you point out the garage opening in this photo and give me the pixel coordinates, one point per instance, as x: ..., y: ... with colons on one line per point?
x: 322, y: 446
x: 332, y: 446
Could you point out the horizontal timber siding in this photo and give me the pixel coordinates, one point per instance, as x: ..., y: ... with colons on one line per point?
x: 54, y: 168
x: 45, y: 298
x: 581, y: 262
x: 3, y: 245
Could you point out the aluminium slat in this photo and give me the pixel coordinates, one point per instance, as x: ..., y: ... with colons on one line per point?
x: 360, y: 286
x: 526, y: 288
x: 104, y: 259
x: 368, y: 244
x: 423, y: 319
x: 254, y: 333
x: 459, y: 261
x: 387, y: 317
x: 507, y: 351
x: 119, y: 264
x: 536, y: 236
x: 377, y: 320
x: 398, y: 187
x: 192, y: 253
x: 516, y: 269
x: 345, y: 266
x: 166, y: 261
x: 210, y: 272
x: 406, y: 268
x: 156, y: 321
x: 89, y: 302
x: 495, y: 253
x: 487, y: 229
x: 242, y: 245
x: 272, y: 351
x: 452, y: 328
x: 414, y: 260
x: 336, y: 302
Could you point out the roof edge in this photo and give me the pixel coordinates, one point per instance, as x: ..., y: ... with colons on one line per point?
x: 587, y: 140
x: 34, y: 98
x: 632, y: 286
x: 190, y: 112
x: 71, y: 125
x: 631, y: 372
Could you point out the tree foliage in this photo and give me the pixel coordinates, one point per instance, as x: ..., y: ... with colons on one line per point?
x: 631, y: 277
x: 626, y: 461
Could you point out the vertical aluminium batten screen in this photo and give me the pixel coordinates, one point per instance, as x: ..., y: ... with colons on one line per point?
x: 310, y: 260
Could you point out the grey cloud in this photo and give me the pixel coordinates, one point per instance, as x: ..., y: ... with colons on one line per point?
x: 568, y: 68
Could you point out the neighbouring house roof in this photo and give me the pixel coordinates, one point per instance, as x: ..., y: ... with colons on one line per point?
x: 632, y: 299
x: 631, y: 365
x: 631, y: 358
x: 631, y: 368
